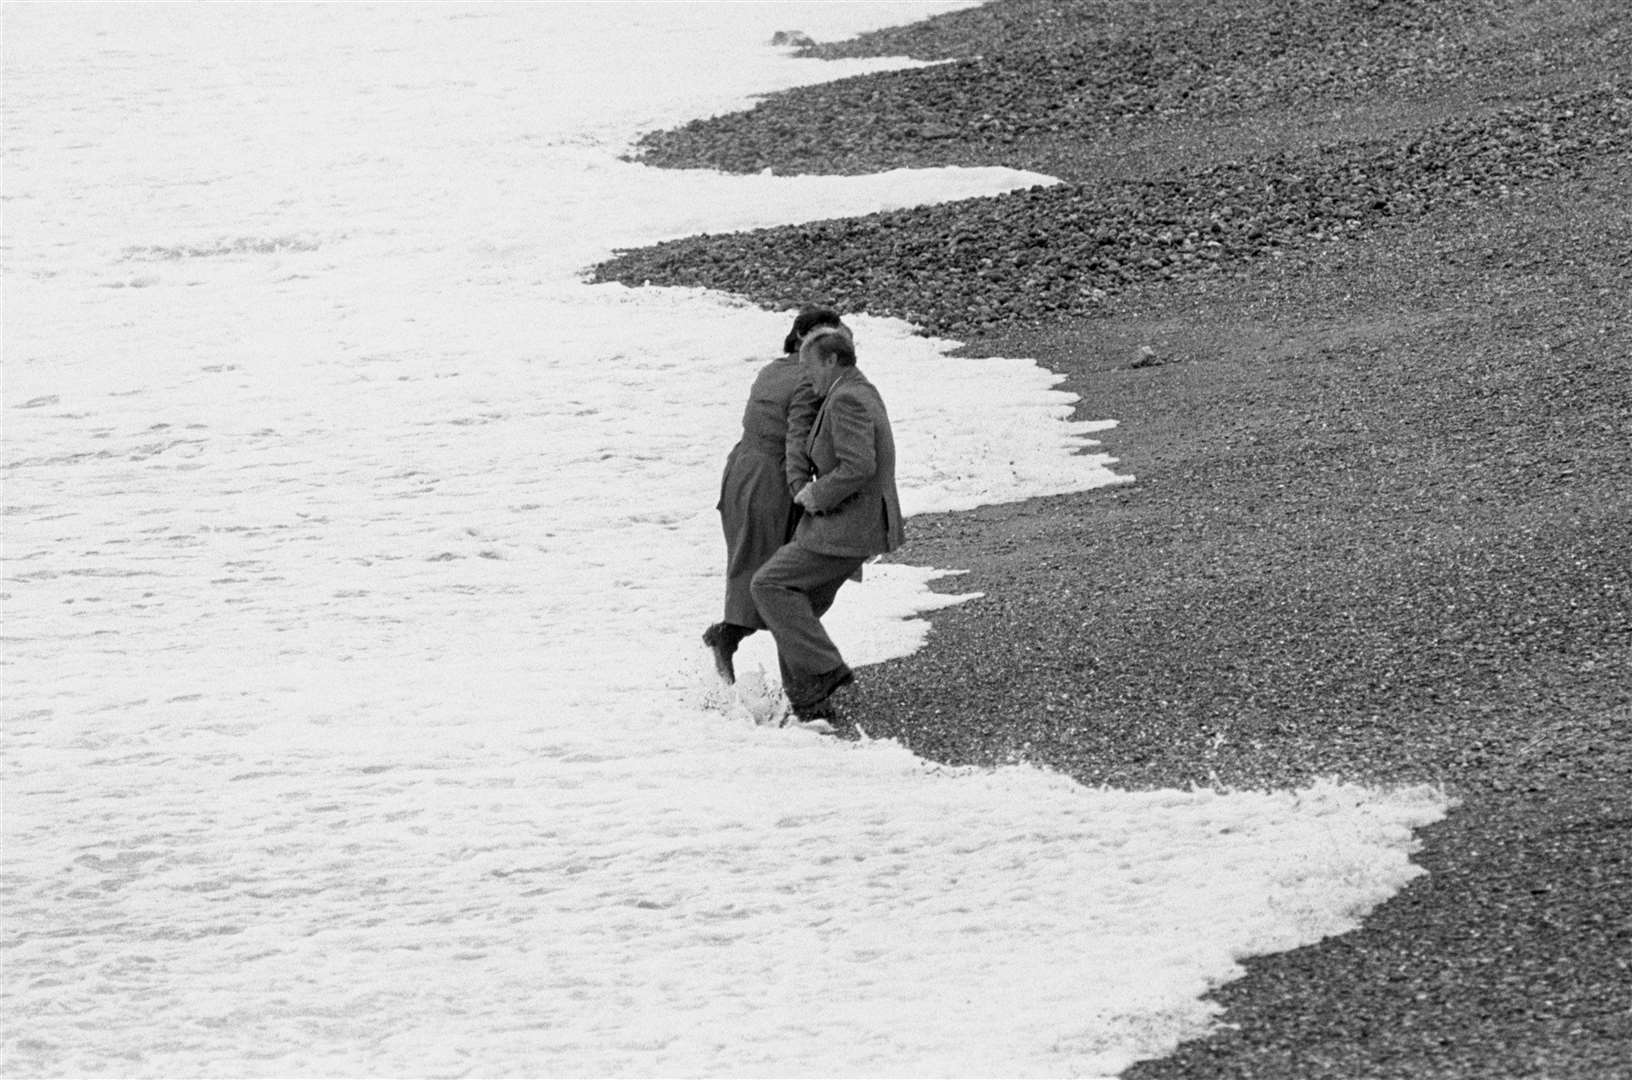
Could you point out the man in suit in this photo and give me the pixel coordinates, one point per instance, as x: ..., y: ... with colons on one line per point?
x: 851, y: 514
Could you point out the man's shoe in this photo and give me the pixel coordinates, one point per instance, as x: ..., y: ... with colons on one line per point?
x: 819, y: 718
x: 823, y: 685
x: 814, y: 693
x: 722, y: 643
x: 821, y: 710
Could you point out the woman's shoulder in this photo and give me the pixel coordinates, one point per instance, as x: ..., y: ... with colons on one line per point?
x: 785, y: 373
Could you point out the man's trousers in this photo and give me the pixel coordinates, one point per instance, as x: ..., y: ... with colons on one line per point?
x: 793, y: 591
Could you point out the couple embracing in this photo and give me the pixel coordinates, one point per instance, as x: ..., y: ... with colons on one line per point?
x: 808, y: 496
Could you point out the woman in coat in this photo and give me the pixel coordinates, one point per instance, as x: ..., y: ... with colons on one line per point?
x: 756, y: 506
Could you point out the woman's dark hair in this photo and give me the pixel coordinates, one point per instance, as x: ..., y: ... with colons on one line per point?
x: 809, y: 318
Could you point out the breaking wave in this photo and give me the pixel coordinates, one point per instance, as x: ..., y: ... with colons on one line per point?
x: 209, y: 249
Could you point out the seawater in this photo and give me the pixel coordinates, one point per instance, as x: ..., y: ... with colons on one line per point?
x: 355, y: 556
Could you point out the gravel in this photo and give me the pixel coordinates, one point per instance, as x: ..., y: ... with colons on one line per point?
x: 1353, y: 277
x: 1033, y: 83
x: 963, y: 267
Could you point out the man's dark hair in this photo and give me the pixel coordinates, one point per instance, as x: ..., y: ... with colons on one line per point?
x: 808, y: 319
x: 835, y: 345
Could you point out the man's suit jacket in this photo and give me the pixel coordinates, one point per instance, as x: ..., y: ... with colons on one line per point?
x: 856, y: 512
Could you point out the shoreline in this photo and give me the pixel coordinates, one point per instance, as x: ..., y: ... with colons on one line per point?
x: 1378, y: 525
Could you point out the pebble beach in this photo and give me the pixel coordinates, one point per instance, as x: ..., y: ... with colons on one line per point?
x: 1352, y: 278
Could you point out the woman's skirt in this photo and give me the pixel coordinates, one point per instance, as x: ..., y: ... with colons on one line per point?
x: 758, y: 517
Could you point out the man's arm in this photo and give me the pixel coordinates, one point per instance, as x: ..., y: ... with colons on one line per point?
x: 853, y: 444
x: 801, y: 415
